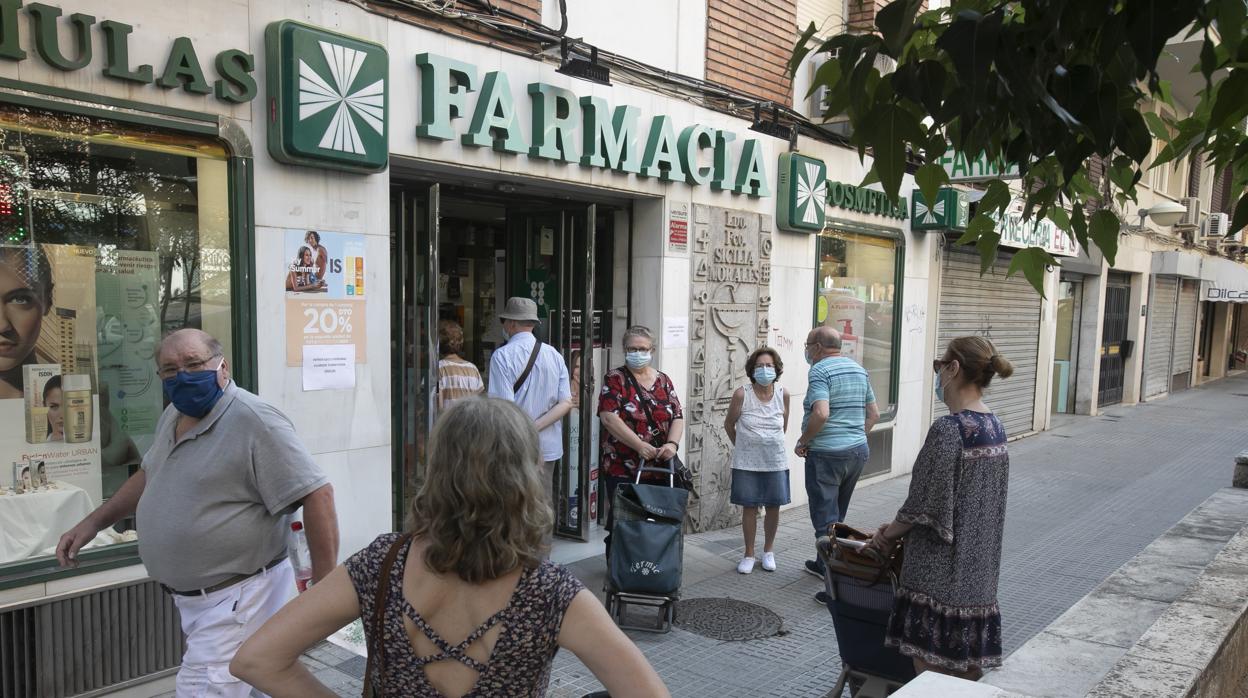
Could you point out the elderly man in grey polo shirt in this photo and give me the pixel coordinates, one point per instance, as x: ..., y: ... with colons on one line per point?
x: 212, y: 499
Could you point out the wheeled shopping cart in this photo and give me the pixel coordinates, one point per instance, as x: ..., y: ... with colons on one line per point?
x: 645, y: 563
x: 861, y: 587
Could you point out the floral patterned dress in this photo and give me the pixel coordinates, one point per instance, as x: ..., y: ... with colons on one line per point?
x: 946, y: 610
x: 619, y: 395
x: 519, y: 664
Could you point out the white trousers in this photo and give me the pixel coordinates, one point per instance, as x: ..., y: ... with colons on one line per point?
x: 217, y: 624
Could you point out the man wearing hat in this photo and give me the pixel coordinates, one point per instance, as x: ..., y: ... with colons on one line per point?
x: 533, y: 375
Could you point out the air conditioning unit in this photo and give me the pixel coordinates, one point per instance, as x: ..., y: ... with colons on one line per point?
x: 1215, y: 227
x: 1195, y: 212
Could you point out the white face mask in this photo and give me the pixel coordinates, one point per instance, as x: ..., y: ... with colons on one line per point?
x: 637, y: 359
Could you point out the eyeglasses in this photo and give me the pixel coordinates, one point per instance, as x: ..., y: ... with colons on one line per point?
x: 630, y: 350
x: 938, y: 364
x: 167, y: 372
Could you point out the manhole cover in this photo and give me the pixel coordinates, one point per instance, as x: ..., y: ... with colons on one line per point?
x: 726, y: 619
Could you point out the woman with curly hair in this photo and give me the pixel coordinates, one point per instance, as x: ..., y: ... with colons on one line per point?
x: 469, y: 608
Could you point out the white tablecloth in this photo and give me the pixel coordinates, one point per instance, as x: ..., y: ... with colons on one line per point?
x: 33, y: 522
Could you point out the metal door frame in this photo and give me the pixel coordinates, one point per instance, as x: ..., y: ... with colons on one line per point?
x: 1113, y: 395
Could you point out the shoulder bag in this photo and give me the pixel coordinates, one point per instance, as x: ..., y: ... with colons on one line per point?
x: 683, y: 476
x: 376, y: 639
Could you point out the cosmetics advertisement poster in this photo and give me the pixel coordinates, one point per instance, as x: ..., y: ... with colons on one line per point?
x: 49, y: 408
x: 324, y: 280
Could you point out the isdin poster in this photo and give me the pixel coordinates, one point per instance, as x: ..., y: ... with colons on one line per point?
x: 325, y: 279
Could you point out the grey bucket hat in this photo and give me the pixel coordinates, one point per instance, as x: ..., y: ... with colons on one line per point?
x: 522, y: 309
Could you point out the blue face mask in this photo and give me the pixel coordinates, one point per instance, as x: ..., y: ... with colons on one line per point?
x: 940, y: 388
x: 637, y: 360
x: 764, y: 375
x: 194, y: 394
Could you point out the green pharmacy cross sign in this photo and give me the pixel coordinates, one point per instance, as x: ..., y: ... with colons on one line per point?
x: 951, y: 211
x: 800, y: 204
x: 328, y: 98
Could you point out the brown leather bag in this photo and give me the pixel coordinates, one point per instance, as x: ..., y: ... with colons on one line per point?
x: 866, y: 563
x: 376, y: 639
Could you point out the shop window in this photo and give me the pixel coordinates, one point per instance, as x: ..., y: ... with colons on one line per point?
x: 857, y: 294
x: 109, y: 238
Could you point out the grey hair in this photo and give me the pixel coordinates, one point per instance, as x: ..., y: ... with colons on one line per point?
x: 210, y: 343
x: 638, y: 331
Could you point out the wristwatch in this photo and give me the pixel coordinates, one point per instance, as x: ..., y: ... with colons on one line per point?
x: 673, y: 443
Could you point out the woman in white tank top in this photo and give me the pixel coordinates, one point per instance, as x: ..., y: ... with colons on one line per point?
x: 757, y: 420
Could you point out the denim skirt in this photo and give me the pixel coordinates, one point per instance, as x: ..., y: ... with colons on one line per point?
x: 752, y: 488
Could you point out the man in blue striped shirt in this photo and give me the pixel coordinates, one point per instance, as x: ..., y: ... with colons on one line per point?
x: 838, y: 413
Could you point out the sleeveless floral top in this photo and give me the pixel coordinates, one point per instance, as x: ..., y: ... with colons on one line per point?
x: 520, y: 662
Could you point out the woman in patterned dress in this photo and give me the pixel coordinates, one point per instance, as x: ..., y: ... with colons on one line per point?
x: 945, y: 617
x: 628, y: 440
x: 471, y: 609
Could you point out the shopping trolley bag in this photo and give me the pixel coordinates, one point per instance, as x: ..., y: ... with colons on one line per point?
x: 647, y: 538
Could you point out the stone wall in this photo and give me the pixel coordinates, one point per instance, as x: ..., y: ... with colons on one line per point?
x: 728, y: 318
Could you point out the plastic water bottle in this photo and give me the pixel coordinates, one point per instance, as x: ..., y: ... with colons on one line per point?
x: 300, y: 558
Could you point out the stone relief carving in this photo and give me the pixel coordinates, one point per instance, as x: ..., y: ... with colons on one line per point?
x: 728, y: 318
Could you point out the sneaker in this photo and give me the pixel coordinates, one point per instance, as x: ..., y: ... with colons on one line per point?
x: 822, y: 598
x: 746, y: 565
x: 769, y: 562
x: 815, y: 567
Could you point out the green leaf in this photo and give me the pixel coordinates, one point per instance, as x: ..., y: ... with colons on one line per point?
x: 828, y: 75
x: 930, y: 178
x: 1230, y: 19
x: 802, y: 49
x: 1032, y: 262
x: 1165, y: 89
x: 1132, y: 136
x: 1230, y: 105
x: 996, y: 197
x: 871, y: 177
x: 895, y: 22
x: 1240, y: 219
x: 1060, y: 218
x: 1157, y: 126
x: 1104, y: 230
x: 1079, y: 226
x: 894, y: 128
x: 987, y: 245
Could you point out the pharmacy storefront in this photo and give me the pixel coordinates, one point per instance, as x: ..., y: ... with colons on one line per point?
x: 322, y: 204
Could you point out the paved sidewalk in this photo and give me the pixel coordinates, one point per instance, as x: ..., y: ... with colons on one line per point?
x: 1084, y: 499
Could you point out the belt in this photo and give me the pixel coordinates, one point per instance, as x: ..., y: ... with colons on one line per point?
x: 227, y: 583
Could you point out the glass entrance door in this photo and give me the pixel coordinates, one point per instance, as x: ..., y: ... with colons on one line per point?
x: 551, y: 259
x: 413, y: 322
x: 1115, y: 348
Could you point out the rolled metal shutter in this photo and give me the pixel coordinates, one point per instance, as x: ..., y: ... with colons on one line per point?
x: 1185, y: 335
x: 1006, y: 311
x: 1160, y: 348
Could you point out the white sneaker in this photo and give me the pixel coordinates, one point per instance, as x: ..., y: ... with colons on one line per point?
x: 746, y: 565
x: 769, y: 562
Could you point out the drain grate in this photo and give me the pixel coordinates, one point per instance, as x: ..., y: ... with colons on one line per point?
x: 727, y: 619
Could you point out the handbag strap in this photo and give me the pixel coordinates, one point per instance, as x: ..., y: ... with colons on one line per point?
x: 376, y: 648
x: 645, y: 405
x: 528, y: 368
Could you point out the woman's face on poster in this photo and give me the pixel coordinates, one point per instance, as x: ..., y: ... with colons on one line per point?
x: 307, y: 257
x: 56, y: 418
x: 26, y: 481
x: 21, y: 316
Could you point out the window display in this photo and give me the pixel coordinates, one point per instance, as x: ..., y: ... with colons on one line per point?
x: 857, y: 295
x: 110, y: 238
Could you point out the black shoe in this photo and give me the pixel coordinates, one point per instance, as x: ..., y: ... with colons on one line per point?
x: 822, y: 598
x: 815, y: 567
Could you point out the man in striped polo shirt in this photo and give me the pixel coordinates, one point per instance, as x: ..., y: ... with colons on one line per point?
x: 838, y: 413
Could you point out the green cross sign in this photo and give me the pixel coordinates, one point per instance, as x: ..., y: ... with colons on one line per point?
x: 329, y: 96
x: 951, y: 211
x: 803, y: 193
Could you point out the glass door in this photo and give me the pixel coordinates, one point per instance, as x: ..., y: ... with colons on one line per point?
x: 551, y: 260
x: 414, y: 340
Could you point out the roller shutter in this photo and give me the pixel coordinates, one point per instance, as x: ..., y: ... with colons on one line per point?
x: 1161, y: 323
x: 1006, y: 311
x: 1185, y: 335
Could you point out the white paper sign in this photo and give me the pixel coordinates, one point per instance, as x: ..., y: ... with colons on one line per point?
x: 328, y: 366
x: 675, y: 332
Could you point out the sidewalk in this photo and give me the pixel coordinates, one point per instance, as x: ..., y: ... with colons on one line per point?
x: 1084, y: 499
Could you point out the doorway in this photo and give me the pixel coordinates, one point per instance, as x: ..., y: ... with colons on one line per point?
x: 458, y: 253
x: 1115, y: 347
x: 1066, y: 352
